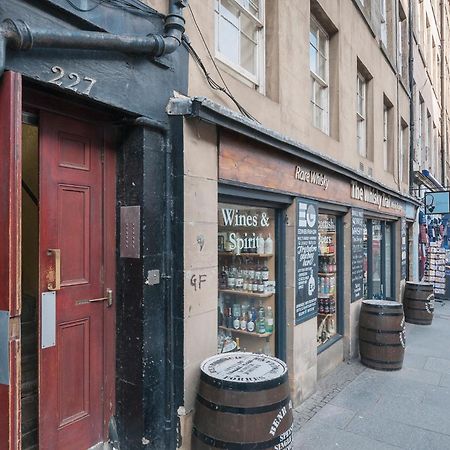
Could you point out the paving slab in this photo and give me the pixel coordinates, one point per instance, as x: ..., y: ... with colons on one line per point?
x: 432, y: 441
x: 408, y: 409
x: 438, y: 364
x: 319, y: 436
x: 445, y: 381
x: 388, y: 431
x: 335, y: 416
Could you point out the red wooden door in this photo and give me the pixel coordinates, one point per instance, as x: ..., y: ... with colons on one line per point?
x: 10, y: 262
x: 72, y: 228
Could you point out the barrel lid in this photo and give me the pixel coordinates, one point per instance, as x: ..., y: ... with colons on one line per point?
x: 381, y: 303
x: 243, y: 371
x: 420, y: 283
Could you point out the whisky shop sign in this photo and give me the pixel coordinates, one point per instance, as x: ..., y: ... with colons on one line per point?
x: 311, y: 176
x: 374, y: 197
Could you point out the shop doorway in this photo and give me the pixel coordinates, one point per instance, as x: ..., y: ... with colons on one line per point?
x: 68, y: 283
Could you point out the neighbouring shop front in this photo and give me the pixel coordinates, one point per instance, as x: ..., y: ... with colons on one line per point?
x: 301, y: 240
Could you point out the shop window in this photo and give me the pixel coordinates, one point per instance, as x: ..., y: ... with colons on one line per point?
x: 247, y: 285
x: 327, y: 318
x: 379, y: 264
x: 240, y: 37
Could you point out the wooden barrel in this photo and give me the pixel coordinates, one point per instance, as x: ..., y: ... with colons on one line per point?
x: 243, y: 403
x: 418, y: 303
x: 382, y: 334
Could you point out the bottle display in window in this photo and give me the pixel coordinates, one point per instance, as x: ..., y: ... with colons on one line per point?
x: 247, y: 286
x: 327, y: 279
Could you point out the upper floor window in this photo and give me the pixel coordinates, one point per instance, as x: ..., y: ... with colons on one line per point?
x: 361, y: 115
x: 383, y: 19
x: 239, y: 36
x: 318, y: 64
x: 385, y: 138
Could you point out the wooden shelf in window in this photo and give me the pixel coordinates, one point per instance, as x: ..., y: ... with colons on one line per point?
x: 327, y: 274
x: 325, y: 295
x: 257, y: 255
x: 246, y: 294
x: 247, y: 333
x: 326, y: 254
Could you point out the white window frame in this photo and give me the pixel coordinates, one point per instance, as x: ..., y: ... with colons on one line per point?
x: 322, y: 82
x: 383, y: 22
x: 361, y: 116
x: 385, y: 138
x: 259, y: 78
x: 400, y: 47
x: 402, y: 150
x: 421, y: 130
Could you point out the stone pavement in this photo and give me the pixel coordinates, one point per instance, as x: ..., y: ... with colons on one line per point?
x: 356, y: 408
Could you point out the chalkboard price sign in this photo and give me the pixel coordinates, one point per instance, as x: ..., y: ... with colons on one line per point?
x: 357, y: 253
x: 307, y: 253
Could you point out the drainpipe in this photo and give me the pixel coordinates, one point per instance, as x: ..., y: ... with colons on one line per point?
x: 443, y: 102
x: 412, y: 100
x: 18, y: 35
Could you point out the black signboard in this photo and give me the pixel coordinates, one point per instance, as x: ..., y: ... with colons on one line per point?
x: 404, y: 253
x: 357, y: 253
x: 306, y: 262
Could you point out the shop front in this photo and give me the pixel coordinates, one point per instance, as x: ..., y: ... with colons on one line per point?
x: 301, y: 240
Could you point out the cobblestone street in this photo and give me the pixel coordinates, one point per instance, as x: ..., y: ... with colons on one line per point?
x: 360, y: 408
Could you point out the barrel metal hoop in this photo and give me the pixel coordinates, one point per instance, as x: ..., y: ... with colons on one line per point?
x: 243, y: 410
x: 380, y: 344
x: 387, y: 363
x: 420, y: 309
x: 375, y: 330
x: 244, y: 387
x: 216, y: 443
x: 381, y: 313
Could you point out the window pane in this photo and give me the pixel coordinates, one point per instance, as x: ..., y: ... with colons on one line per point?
x: 229, y: 40
x: 322, y: 67
x: 327, y: 279
x: 250, y: 5
x: 248, y: 54
x: 230, y: 12
x: 322, y: 97
x: 312, y: 59
x: 318, y: 119
x: 313, y: 35
x: 365, y: 259
x: 248, y: 27
x: 376, y: 260
x: 388, y: 281
x: 323, y: 43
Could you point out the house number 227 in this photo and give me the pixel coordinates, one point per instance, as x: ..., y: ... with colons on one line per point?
x: 72, y: 80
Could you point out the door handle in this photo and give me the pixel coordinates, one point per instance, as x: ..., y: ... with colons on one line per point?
x: 108, y: 298
x: 56, y: 286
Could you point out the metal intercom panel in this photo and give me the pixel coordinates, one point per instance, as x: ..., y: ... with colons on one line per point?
x: 130, y: 232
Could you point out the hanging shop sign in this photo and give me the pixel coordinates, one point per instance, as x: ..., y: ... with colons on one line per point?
x: 374, y: 197
x: 307, y: 254
x: 357, y: 253
x: 437, y: 202
x: 404, y: 253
